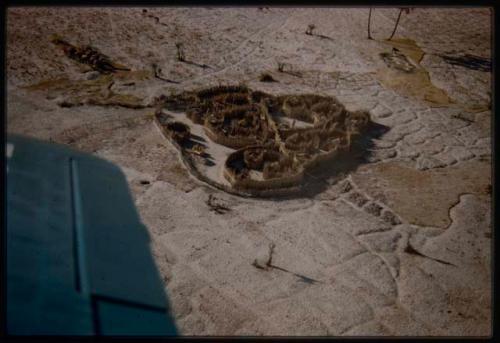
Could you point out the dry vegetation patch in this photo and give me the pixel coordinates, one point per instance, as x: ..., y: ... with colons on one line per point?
x: 275, y: 140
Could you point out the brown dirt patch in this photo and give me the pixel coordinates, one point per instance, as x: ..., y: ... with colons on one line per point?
x: 416, y: 83
x: 424, y: 197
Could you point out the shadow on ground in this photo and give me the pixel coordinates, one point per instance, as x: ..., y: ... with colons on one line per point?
x: 328, y: 173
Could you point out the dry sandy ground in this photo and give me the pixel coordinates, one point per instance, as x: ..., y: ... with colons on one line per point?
x: 397, y: 244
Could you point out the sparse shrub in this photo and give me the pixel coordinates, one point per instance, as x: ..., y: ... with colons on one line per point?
x: 180, y: 52
x: 281, y: 66
x: 310, y: 29
x: 406, y: 10
x: 397, y: 22
x: 266, y: 77
x: 369, y: 21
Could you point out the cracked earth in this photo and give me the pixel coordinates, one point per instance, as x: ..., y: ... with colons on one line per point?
x: 397, y: 243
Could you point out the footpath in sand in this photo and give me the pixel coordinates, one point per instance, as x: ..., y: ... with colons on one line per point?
x: 398, y: 242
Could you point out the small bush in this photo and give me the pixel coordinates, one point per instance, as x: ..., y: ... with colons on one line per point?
x: 310, y: 29
x: 180, y: 52
x: 266, y: 77
x: 281, y: 66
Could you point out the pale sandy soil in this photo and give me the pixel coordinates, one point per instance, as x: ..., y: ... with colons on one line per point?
x: 398, y: 243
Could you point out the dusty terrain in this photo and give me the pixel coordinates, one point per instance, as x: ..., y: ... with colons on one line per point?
x: 397, y: 241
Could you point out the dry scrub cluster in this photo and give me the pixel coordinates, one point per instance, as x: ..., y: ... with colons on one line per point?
x: 277, y: 138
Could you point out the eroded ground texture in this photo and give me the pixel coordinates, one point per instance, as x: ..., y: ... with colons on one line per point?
x: 394, y: 241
